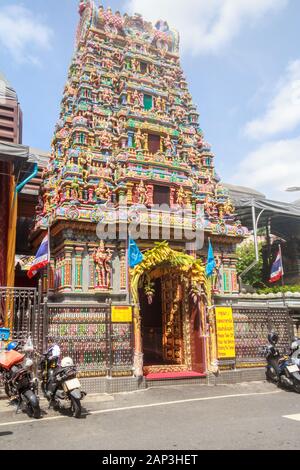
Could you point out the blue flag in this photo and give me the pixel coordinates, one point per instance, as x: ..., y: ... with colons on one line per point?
x: 211, y: 263
x: 134, y: 255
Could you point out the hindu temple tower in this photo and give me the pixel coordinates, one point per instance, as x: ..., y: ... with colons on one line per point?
x: 128, y: 139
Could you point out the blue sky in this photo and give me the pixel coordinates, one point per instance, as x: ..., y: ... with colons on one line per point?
x: 241, y: 59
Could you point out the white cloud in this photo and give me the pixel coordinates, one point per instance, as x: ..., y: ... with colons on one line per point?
x: 206, y: 25
x: 272, y: 168
x: 22, y: 34
x: 283, y: 112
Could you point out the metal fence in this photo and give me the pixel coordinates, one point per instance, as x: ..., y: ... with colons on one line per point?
x: 252, y: 326
x: 22, y: 312
x: 98, y: 346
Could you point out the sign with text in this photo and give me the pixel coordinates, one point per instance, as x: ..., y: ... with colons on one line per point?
x: 225, y: 333
x: 121, y: 314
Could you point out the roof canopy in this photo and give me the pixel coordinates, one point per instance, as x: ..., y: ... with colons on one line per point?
x: 284, y: 217
x: 14, y: 153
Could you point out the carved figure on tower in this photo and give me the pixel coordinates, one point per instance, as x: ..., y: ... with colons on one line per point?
x: 142, y: 193
x: 181, y: 197
x: 102, y: 191
x: 102, y: 258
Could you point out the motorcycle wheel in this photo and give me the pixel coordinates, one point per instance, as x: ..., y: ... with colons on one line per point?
x: 34, y: 411
x: 7, y: 390
x: 297, y: 388
x: 76, y: 407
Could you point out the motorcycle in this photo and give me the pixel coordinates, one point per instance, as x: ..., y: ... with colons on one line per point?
x: 10, y: 362
x: 19, y: 383
x: 59, y: 383
x: 27, y: 389
x: 283, y: 370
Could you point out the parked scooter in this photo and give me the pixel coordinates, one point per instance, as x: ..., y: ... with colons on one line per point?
x: 283, y: 370
x: 19, y: 382
x: 60, y: 385
x: 27, y: 389
x: 9, y: 365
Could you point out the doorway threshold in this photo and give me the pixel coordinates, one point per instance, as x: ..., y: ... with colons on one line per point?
x: 188, y: 374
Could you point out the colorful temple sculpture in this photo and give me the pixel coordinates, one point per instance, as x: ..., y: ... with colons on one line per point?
x: 126, y: 143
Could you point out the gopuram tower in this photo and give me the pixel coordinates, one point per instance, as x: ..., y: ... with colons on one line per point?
x: 127, y: 141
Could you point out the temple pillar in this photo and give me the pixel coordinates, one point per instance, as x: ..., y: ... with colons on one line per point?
x: 91, y: 251
x: 130, y: 186
x: 149, y: 188
x: 51, y: 275
x: 138, y: 354
x: 78, y: 268
x: 172, y: 196
x: 67, y: 269
x: 123, y: 269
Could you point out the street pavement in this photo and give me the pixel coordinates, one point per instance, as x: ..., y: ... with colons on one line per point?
x: 254, y: 415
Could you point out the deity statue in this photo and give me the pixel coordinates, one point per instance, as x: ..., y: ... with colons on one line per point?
x: 181, y: 197
x: 169, y: 145
x: 39, y: 207
x: 192, y: 155
x: 209, y: 207
x: 135, y: 65
x: 75, y: 188
x: 136, y: 99
x: 142, y: 193
x: 81, y: 160
x: 138, y: 138
x: 102, y: 191
x: 105, y: 140
x: 94, y: 78
x: 228, y: 208
x: 47, y: 203
x: 106, y: 96
x: 102, y: 259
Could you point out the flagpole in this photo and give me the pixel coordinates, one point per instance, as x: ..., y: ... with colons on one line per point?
x: 49, y: 263
x: 282, y: 277
x: 128, y: 268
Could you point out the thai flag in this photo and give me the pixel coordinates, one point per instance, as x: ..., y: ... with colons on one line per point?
x: 41, y: 258
x: 277, y: 268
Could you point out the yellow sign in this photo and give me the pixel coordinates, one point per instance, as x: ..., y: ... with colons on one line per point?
x: 121, y: 314
x: 225, y: 333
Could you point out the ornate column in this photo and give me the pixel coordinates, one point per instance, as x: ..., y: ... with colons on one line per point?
x: 91, y: 269
x: 78, y: 268
x: 51, y: 275
x: 67, y: 269
x: 58, y: 272
x: 45, y: 281
x: 150, y: 194
x: 129, y: 193
x: 172, y: 196
x: 123, y: 269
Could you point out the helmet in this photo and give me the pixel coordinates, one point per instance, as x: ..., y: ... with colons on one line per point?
x: 273, y: 337
x: 54, y: 351
x: 12, y: 345
x: 295, y: 344
x: 67, y: 362
x: 28, y: 363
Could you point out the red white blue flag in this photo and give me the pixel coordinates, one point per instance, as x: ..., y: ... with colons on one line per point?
x: 41, y: 259
x: 277, y: 268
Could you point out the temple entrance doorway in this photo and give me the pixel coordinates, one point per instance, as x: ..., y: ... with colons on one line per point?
x: 162, y: 322
x: 152, y: 326
x: 169, y: 291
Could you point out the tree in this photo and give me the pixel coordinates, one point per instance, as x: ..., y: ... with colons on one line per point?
x: 246, y: 255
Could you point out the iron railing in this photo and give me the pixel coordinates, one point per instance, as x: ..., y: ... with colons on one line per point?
x: 22, y: 312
